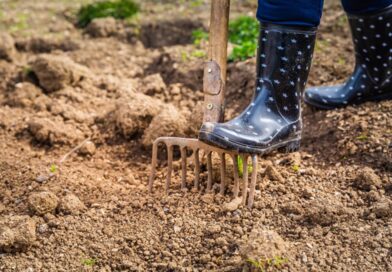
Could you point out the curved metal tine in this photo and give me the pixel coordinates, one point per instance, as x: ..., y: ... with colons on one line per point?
x: 236, y: 177
x: 169, y: 167
x: 183, y: 167
x: 253, y: 182
x: 209, y: 172
x: 197, y: 168
x: 245, y: 178
x: 153, y: 166
x: 223, y: 173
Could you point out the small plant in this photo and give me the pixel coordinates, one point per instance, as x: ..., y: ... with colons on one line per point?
x: 118, y: 9
x: 240, y: 164
x: 89, y: 262
x: 362, y: 138
x: 198, y: 54
x: 295, y: 168
x: 243, y: 33
x: 265, y: 265
x: 198, y: 36
x: 53, y: 168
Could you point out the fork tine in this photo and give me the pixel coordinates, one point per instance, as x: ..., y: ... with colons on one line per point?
x: 209, y: 171
x: 153, y: 166
x: 222, y: 172
x: 197, y: 168
x: 169, y: 167
x: 253, y: 182
x: 236, y: 178
x: 183, y: 167
x: 245, y: 178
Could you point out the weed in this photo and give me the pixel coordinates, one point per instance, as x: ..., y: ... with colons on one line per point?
x: 240, y: 164
x: 118, y: 9
x: 243, y: 33
x: 20, y: 23
x: 53, y: 168
x: 89, y: 262
x: 264, y: 265
x: 199, y: 54
x: 321, y: 45
x: 295, y: 168
x: 198, y: 36
x: 362, y: 138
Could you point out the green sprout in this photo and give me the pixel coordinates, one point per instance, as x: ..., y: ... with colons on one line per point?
x: 240, y: 164
x: 53, y: 168
x: 118, y: 9
x: 199, y: 54
x: 295, y: 168
x: 198, y: 36
x: 362, y: 138
x: 89, y: 262
x: 272, y: 264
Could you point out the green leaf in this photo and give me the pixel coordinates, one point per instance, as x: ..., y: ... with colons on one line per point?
x: 240, y: 164
x: 118, y: 9
x: 53, y: 168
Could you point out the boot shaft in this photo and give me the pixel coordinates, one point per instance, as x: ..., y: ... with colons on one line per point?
x: 283, y: 63
x: 372, y: 38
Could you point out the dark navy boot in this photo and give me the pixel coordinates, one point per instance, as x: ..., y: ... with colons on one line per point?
x: 273, y: 118
x: 371, y: 79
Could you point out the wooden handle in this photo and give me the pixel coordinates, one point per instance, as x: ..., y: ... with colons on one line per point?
x: 215, y: 70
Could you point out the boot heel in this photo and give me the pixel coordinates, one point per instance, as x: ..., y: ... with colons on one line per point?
x: 290, y: 147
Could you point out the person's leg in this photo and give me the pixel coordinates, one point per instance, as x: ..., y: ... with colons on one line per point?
x: 364, y: 6
x: 371, y: 27
x: 273, y: 118
x: 290, y: 12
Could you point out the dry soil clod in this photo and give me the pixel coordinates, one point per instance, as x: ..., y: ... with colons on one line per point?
x: 55, y: 72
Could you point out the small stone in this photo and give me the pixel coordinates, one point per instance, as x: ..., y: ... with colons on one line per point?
x: 213, y: 229
x: 233, y: 205
x: 177, y: 229
x: 71, y: 204
x: 41, y: 178
x: 88, y: 149
x: 42, y: 202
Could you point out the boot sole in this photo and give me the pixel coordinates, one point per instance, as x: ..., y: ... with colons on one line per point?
x: 289, y: 146
x: 387, y: 96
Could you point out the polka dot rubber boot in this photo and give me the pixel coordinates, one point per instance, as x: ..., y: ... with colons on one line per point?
x: 371, y: 79
x: 273, y: 118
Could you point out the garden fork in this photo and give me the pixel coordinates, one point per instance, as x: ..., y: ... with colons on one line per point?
x: 214, y: 85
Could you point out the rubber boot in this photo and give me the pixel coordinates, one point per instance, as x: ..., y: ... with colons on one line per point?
x: 371, y: 79
x: 273, y: 118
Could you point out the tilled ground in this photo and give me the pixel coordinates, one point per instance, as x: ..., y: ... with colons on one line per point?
x: 91, y: 102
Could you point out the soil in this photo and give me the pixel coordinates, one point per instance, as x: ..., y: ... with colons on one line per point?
x: 80, y: 108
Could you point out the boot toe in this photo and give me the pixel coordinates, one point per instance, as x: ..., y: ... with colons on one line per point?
x: 325, y: 97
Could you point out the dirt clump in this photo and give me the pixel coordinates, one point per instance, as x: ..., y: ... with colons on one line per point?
x: 27, y: 95
x: 71, y: 204
x: 88, y: 149
x: 383, y: 208
x: 367, y: 179
x: 102, y: 27
x: 169, y: 122
x: 324, y: 213
x: 153, y: 84
x: 46, y: 45
x: 17, y: 233
x: 48, y: 131
x: 42, y: 203
x: 135, y: 113
x: 55, y: 72
x: 262, y: 244
x: 7, y: 47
